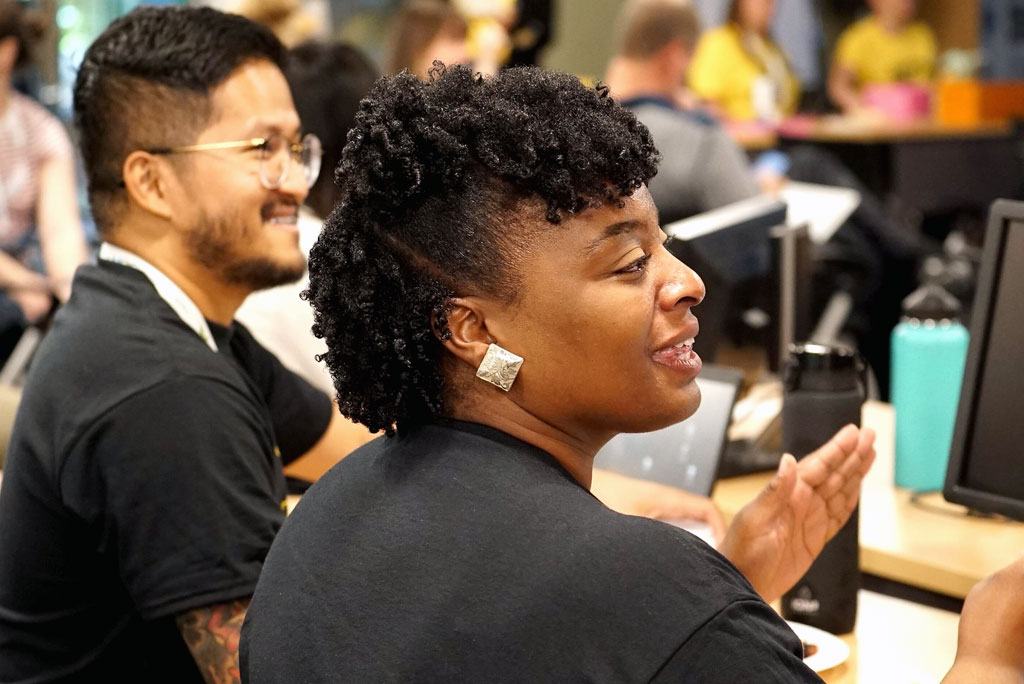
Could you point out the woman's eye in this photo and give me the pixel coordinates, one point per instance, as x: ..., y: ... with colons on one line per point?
x: 638, y: 266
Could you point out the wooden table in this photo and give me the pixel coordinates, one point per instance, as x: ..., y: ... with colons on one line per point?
x: 933, y: 545
x: 897, y: 642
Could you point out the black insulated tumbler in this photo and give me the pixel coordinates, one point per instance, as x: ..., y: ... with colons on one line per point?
x: 824, y: 390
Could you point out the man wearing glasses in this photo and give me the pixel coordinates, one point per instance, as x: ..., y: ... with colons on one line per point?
x: 144, y: 479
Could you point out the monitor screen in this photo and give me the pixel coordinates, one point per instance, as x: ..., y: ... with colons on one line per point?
x: 986, y: 461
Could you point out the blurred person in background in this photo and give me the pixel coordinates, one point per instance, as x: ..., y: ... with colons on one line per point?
x: 887, y: 46
x: 531, y: 32
x: 38, y: 199
x: 798, y: 28
x: 701, y: 167
x: 286, y: 18
x: 741, y: 71
x: 423, y: 31
x: 327, y: 81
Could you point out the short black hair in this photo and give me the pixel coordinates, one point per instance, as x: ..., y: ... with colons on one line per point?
x: 436, y: 181
x: 327, y: 82
x: 145, y: 82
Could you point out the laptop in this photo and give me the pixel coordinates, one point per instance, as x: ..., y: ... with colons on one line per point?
x: 685, y: 455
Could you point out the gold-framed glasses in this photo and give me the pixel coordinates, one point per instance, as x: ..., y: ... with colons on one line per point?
x: 275, y: 155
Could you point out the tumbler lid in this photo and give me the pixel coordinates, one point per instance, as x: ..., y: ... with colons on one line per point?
x: 821, y: 367
x: 931, y: 302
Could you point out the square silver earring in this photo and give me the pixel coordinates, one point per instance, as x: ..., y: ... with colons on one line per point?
x: 499, y: 367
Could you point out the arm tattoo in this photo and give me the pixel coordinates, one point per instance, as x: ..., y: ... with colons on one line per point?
x: 212, y: 635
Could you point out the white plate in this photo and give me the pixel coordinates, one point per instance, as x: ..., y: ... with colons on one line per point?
x: 832, y: 650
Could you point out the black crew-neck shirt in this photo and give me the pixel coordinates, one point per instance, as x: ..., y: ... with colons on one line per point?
x: 453, y: 552
x: 143, y: 480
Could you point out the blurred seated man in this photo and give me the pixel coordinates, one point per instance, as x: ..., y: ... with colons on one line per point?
x: 144, y: 485
x: 887, y: 46
x: 702, y: 167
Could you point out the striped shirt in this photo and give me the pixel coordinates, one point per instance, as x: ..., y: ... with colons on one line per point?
x: 29, y: 137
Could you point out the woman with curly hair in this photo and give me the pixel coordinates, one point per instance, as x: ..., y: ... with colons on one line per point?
x: 495, y: 295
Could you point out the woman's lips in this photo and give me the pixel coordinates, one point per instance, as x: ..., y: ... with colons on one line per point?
x: 680, y: 356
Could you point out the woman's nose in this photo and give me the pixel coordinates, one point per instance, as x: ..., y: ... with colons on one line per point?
x: 683, y: 287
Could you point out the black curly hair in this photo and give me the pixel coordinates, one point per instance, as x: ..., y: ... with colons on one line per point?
x: 145, y: 82
x: 443, y: 184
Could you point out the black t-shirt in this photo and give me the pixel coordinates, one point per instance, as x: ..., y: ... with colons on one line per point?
x: 143, y: 480
x: 454, y: 552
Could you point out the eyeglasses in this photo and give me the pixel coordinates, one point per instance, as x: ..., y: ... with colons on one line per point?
x: 275, y: 155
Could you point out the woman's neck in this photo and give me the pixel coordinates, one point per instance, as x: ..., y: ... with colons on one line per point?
x: 891, y: 24
x: 574, y: 454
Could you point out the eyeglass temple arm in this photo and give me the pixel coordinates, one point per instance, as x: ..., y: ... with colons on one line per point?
x: 251, y: 142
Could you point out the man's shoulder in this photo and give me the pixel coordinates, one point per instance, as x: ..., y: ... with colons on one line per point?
x: 116, y: 318
x: 664, y: 119
x: 114, y: 340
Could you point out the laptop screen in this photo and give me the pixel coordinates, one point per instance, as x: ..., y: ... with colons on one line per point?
x: 687, y: 454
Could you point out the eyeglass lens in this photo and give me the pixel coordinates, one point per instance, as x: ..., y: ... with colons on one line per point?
x: 276, y: 156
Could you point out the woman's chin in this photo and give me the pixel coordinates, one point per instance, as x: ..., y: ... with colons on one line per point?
x: 666, y: 411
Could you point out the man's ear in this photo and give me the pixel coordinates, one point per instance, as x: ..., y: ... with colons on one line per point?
x: 150, y: 180
x: 469, y: 336
x: 675, y: 57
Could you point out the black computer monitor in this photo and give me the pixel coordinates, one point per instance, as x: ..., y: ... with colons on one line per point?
x: 986, y: 462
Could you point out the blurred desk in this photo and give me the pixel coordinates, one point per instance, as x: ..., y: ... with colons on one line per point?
x: 932, y: 545
x: 840, y: 129
x: 897, y: 642
x: 924, y: 166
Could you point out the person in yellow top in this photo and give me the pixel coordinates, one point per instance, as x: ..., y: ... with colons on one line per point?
x: 740, y: 70
x: 887, y: 46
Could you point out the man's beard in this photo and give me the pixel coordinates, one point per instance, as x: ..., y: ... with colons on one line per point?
x: 214, y: 244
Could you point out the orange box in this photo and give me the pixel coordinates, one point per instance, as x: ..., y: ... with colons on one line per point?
x: 970, y: 102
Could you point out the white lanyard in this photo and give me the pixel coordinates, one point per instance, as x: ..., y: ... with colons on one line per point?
x: 186, y: 309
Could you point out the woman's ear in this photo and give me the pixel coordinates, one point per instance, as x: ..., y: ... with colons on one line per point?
x: 468, y: 339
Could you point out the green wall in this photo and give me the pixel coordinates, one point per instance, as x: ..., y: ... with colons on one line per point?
x: 584, y: 36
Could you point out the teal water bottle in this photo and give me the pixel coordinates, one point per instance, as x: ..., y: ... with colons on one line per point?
x: 929, y: 347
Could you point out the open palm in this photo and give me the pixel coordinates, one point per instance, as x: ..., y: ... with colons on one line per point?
x: 777, y: 536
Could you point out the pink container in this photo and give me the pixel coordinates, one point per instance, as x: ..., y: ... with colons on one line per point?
x: 900, y: 102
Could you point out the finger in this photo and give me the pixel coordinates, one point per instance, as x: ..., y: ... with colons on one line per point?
x: 852, y: 468
x: 780, y: 488
x: 819, y: 464
x: 843, y: 489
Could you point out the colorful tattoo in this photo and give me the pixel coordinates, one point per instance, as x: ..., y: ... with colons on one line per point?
x: 212, y: 635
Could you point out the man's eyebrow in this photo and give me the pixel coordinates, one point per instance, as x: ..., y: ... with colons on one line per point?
x: 614, y: 230
x: 262, y: 127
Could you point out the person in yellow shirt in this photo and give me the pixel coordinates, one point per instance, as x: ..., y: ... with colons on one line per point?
x: 740, y: 70
x: 887, y: 46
